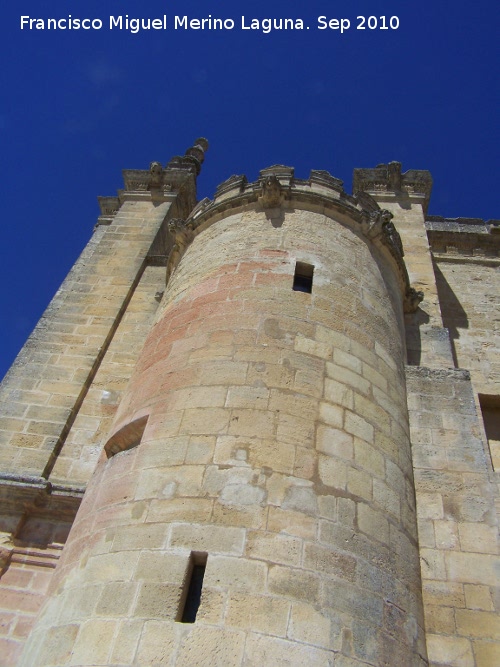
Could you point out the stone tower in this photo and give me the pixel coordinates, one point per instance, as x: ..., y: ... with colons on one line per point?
x: 255, y: 408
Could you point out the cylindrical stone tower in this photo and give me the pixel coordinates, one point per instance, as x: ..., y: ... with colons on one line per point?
x: 260, y: 454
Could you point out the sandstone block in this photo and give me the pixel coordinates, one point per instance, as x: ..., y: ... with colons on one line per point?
x: 291, y: 523
x: 158, y: 600
x: 478, y: 624
x: 332, y: 471
x: 209, y: 647
x: 161, y: 567
x: 369, y: 458
x: 452, y: 651
x: 359, y: 483
x: 274, y: 548
x: 347, y: 377
x: 212, y: 539
x: 478, y: 537
x: 330, y: 562
x: 478, y: 597
x: 58, y: 644
x: 236, y: 573
x: 358, y: 426
x: 373, y: 523
x: 93, y: 644
x: 157, y: 643
x: 335, y: 442
x: 116, y: 599
x: 313, y: 347
x: 472, y: 568
x: 339, y: 393
x: 309, y: 626
x: 487, y: 653
x: 281, y: 653
x: 264, y: 614
x: 204, y: 421
x: 294, y: 583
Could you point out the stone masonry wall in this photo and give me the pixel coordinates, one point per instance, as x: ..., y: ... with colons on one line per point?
x: 470, y: 300
x: 262, y: 427
x: 458, y: 526
x: 97, y: 305
x: 38, y: 395
x: 456, y: 492
x: 427, y: 341
x: 88, y: 433
x: 277, y: 443
x: 25, y: 573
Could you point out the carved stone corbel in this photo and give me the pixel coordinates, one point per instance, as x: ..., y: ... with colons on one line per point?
x: 412, y: 300
x: 373, y: 225
x: 392, y: 237
x: 156, y: 172
x: 272, y: 194
x: 182, y: 233
x: 394, y: 175
x: 378, y: 224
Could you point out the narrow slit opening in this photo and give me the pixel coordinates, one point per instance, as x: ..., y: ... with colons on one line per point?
x: 303, y: 277
x: 193, y: 585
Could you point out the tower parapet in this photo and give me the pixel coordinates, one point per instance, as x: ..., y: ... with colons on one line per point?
x: 387, y: 181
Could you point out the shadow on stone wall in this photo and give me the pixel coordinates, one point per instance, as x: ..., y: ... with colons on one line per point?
x: 454, y: 316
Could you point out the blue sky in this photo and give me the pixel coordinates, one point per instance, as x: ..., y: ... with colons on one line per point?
x: 79, y: 106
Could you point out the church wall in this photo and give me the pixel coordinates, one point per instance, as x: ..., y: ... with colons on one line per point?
x: 277, y: 443
x: 458, y: 524
x: 40, y: 391
x: 88, y: 434
x: 266, y: 428
x: 470, y: 310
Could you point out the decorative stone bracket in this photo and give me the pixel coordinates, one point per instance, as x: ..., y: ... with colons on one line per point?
x: 272, y: 194
x: 379, y: 224
x: 412, y: 300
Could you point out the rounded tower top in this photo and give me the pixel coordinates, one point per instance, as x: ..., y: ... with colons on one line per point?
x: 278, y: 190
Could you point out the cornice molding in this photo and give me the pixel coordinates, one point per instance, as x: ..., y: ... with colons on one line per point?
x: 277, y: 190
x: 109, y: 207
x: 177, y: 180
x: 387, y: 179
x: 36, y: 496
x: 467, y: 238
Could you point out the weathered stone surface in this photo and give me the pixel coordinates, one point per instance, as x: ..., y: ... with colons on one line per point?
x: 275, y: 444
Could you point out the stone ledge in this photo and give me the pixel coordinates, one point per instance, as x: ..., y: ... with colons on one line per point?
x: 465, y: 242
x: 439, y: 223
x: 36, y: 496
x: 437, y: 374
x: 466, y: 259
x: 177, y: 180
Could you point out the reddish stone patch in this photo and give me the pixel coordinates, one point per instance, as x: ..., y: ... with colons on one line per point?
x: 271, y: 252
